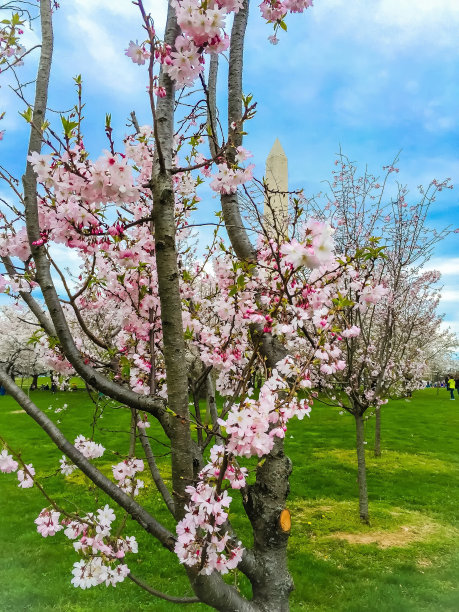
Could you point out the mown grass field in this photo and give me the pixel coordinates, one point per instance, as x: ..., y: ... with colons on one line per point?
x: 406, y: 560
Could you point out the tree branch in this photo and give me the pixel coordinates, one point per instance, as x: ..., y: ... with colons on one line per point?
x: 155, y: 473
x: 139, y: 514
x: 31, y: 302
x: 177, y: 600
x: 230, y: 203
x: 152, y: 405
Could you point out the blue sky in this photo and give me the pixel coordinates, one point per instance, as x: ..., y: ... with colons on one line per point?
x: 374, y: 77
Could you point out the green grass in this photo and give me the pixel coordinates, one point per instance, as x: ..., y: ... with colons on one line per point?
x: 25, y: 383
x: 407, y: 560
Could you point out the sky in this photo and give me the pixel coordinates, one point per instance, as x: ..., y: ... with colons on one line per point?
x: 373, y: 78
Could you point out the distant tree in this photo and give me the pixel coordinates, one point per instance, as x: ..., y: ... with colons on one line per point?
x: 387, y: 336
x: 18, y: 355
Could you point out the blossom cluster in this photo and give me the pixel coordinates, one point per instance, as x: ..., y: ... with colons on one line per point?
x: 89, y: 448
x: 25, y: 475
x: 125, y: 473
x: 101, y: 552
x: 11, y: 49
x: 201, y: 538
x: 276, y: 10
x: 227, y: 179
x: 202, y: 24
x: 251, y: 427
x: 282, y: 303
x: 315, y: 251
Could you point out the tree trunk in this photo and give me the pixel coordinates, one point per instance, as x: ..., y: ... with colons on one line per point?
x: 265, y: 500
x: 132, y: 432
x: 34, y: 384
x: 264, y: 504
x: 378, y: 432
x: 169, y: 284
x: 173, y: 340
x: 211, y: 403
x: 361, y: 468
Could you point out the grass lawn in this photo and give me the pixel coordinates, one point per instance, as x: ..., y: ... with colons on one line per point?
x: 406, y: 560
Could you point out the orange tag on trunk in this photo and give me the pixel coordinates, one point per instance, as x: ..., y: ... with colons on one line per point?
x: 285, y: 521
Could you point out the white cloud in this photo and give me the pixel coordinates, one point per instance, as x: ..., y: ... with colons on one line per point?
x: 368, y: 61
x: 100, y: 60
x: 445, y: 265
x: 92, y: 36
x: 108, y: 8
x: 69, y: 263
x: 452, y: 325
x: 392, y: 25
x: 450, y: 295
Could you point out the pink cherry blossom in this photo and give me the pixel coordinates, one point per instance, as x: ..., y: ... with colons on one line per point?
x: 137, y: 53
x: 352, y: 332
x: 48, y: 523
x: 25, y: 477
x: 7, y: 463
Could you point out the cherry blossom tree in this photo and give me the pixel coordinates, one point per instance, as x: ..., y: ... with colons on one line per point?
x: 18, y: 355
x: 442, y: 356
x: 149, y: 325
x: 388, y: 334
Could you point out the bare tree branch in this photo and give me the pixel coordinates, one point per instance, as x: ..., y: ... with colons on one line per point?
x: 171, y: 598
x: 139, y: 514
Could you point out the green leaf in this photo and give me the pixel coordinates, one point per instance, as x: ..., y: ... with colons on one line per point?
x: 68, y: 126
x: 53, y: 341
x: 27, y: 114
x: 35, y: 337
x: 125, y: 366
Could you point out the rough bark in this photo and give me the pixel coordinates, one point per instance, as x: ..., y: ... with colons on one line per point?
x: 212, y: 104
x: 34, y: 383
x: 266, y: 499
x: 378, y: 432
x: 173, y: 339
x: 264, y: 503
x: 230, y: 203
x: 361, y: 468
x: 210, y: 589
x: 211, y: 403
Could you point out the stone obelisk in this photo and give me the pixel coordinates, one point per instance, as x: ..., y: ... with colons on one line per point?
x: 276, y: 197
